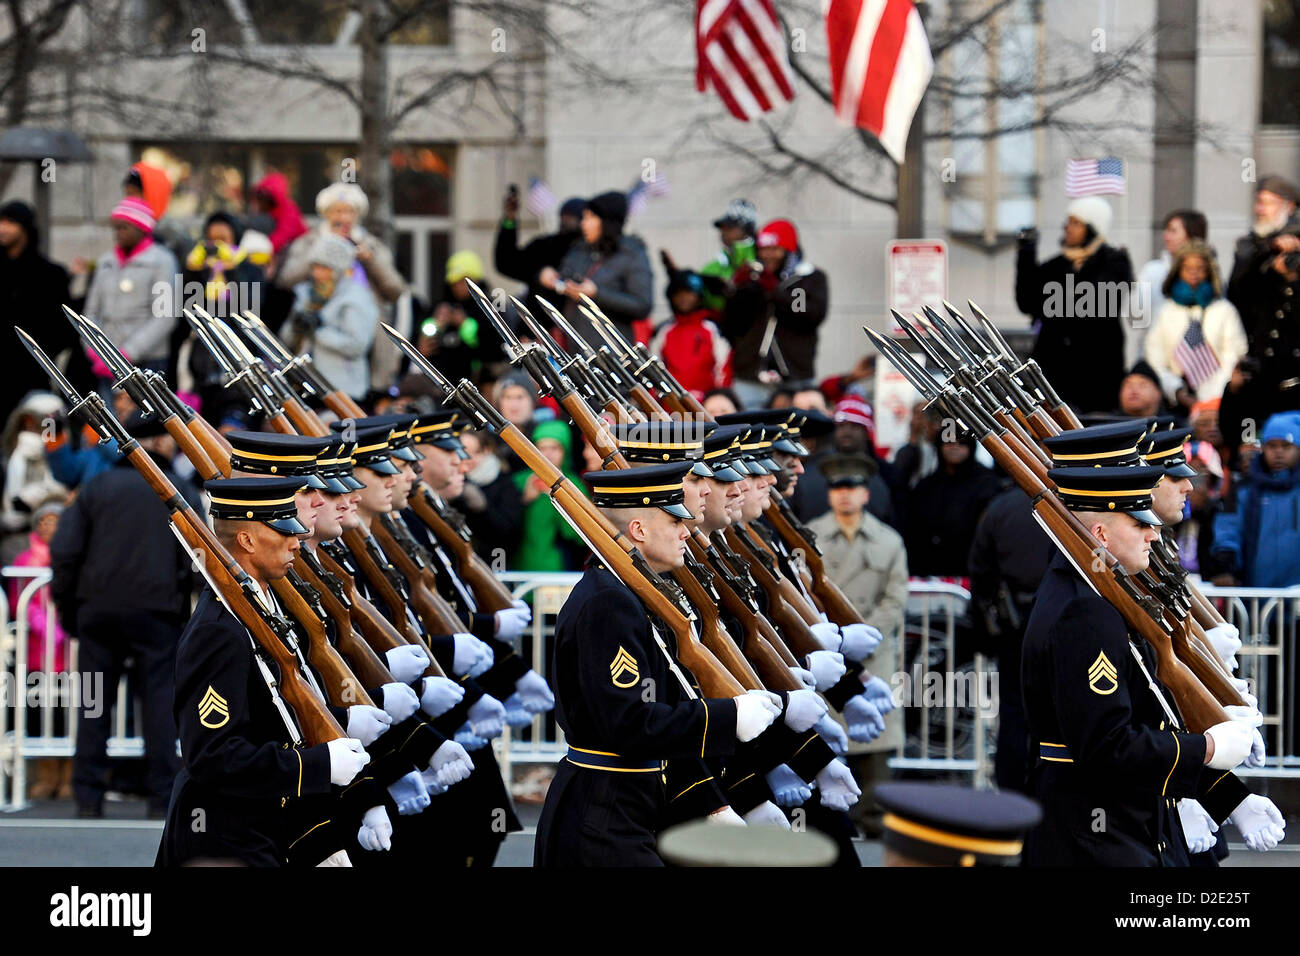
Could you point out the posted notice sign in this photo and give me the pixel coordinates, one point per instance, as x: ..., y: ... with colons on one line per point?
x: 917, y: 271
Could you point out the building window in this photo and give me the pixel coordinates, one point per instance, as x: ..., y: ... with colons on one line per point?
x: 1280, y: 83
x: 990, y: 162
x: 170, y: 25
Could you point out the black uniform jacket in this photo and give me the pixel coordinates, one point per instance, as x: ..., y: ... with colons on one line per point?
x: 616, y: 696
x: 1110, y: 764
x: 235, y: 795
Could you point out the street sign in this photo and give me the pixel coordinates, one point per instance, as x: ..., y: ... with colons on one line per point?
x: 917, y: 275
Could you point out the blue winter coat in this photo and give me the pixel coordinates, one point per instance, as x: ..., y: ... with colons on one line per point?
x: 1261, y: 539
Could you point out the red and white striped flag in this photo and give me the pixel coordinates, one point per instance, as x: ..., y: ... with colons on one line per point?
x: 741, y: 53
x: 1194, y: 354
x: 880, y: 65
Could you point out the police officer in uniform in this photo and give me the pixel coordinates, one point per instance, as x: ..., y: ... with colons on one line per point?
x: 244, y: 766
x: 1112, y: 755
x: 620, y: 696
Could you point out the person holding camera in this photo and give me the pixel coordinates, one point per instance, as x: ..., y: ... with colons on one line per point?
x: 334, y: 317
x: 1075, y: 302
x: 1264, y: 283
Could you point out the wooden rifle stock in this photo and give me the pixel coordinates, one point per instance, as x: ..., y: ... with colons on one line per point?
x: 490, y: 593
x: 340, y: 683
x: 435, y: 614
x: 355, y: 541
x: 366, y: 664
x: 793, y: 627
x: 838, y: 607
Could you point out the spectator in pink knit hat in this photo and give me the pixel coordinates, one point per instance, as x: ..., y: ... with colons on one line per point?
x: 131, y: 293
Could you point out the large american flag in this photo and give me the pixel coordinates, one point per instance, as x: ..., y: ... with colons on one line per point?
x: 741, y: 53
x: 880, y: 65
x: 1194, y: 354
x: 1094, y: 177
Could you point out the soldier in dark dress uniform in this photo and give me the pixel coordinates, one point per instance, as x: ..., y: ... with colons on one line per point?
x: 1112, y: 754
x: 245, y: 770
x: 634, y: 731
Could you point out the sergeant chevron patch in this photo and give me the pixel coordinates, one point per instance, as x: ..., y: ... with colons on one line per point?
x: 624, y: 664
x: 213, y: 705
x: 1101, y: 672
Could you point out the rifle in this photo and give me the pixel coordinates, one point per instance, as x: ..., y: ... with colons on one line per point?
x: 437, y: 616
x: 449, y: 528
x: 661, y: 599
x: 298, y: 369
x: 230, y: 581
x: 1143, y: 614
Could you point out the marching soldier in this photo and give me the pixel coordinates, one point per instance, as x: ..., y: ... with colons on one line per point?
x: 621, y: 699
x: 245, y: 774
x: 1113, y: 755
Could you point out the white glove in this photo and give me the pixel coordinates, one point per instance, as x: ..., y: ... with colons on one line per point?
x: 766, y: 814
x: 1243, y: 688
x: 487, y: 717
x: 788, y: 789
x: 755, y: 711
x: 1232, y: 741
x: 879, y: 693
x: 471, y: 655
x: 839, y: 790
x: 803, y: 709
x: 827, y: 668
x: 1198, y: 826
x: 337, y: 858
x: 406, y: 663
x: 439, y: 695
x: 828, y: 635
x: 376, y: 831
x: 804, y: 677
x: 1260, y: 822
x: 1253, y: 719
x: 534, y: 693
x: 725, y: 817
x: 516, y: 714
x: 865, y: 721
x: 409, y: 793
x: 830, y: 730
x: 347, y: 757
x: 860, y: 641
x: 399, y: 701
x: 450, y: 764
x: 1226, y: 641
x: 366, y: 723
x: 511, y: 622
x: 469, y: 740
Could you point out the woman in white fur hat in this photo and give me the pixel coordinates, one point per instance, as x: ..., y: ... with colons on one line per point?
x: 1079, y: 302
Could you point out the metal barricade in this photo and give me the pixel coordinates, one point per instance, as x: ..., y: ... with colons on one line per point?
x: 949, y: 704
x: 40, y: 706
x: 1267, y: 621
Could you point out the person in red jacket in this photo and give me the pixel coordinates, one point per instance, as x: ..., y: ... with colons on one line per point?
x: 690, y: 344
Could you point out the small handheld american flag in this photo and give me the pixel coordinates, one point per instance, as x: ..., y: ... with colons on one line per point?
x: 541, y: 201
x: 1194, y: 354
x: 638, y: 196
x: 1094, y: 177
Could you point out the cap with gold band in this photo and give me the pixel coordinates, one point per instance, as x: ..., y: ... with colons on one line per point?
x: 1123, y: 488
x: 334, y: 465
x: 757, y: 448
x: 373, y: 451
x: 654, y: 442
x: 1097, y: 446
x: 1163, y: 448
x: 399, y: 441
x: 847, y: 471
x: 268, y: 500
x: 441, y: 430
x: 268, y: 453
x: 786, y: 422
x: 722, y: 452
x: 944, y: 825
x: 645, y: 486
